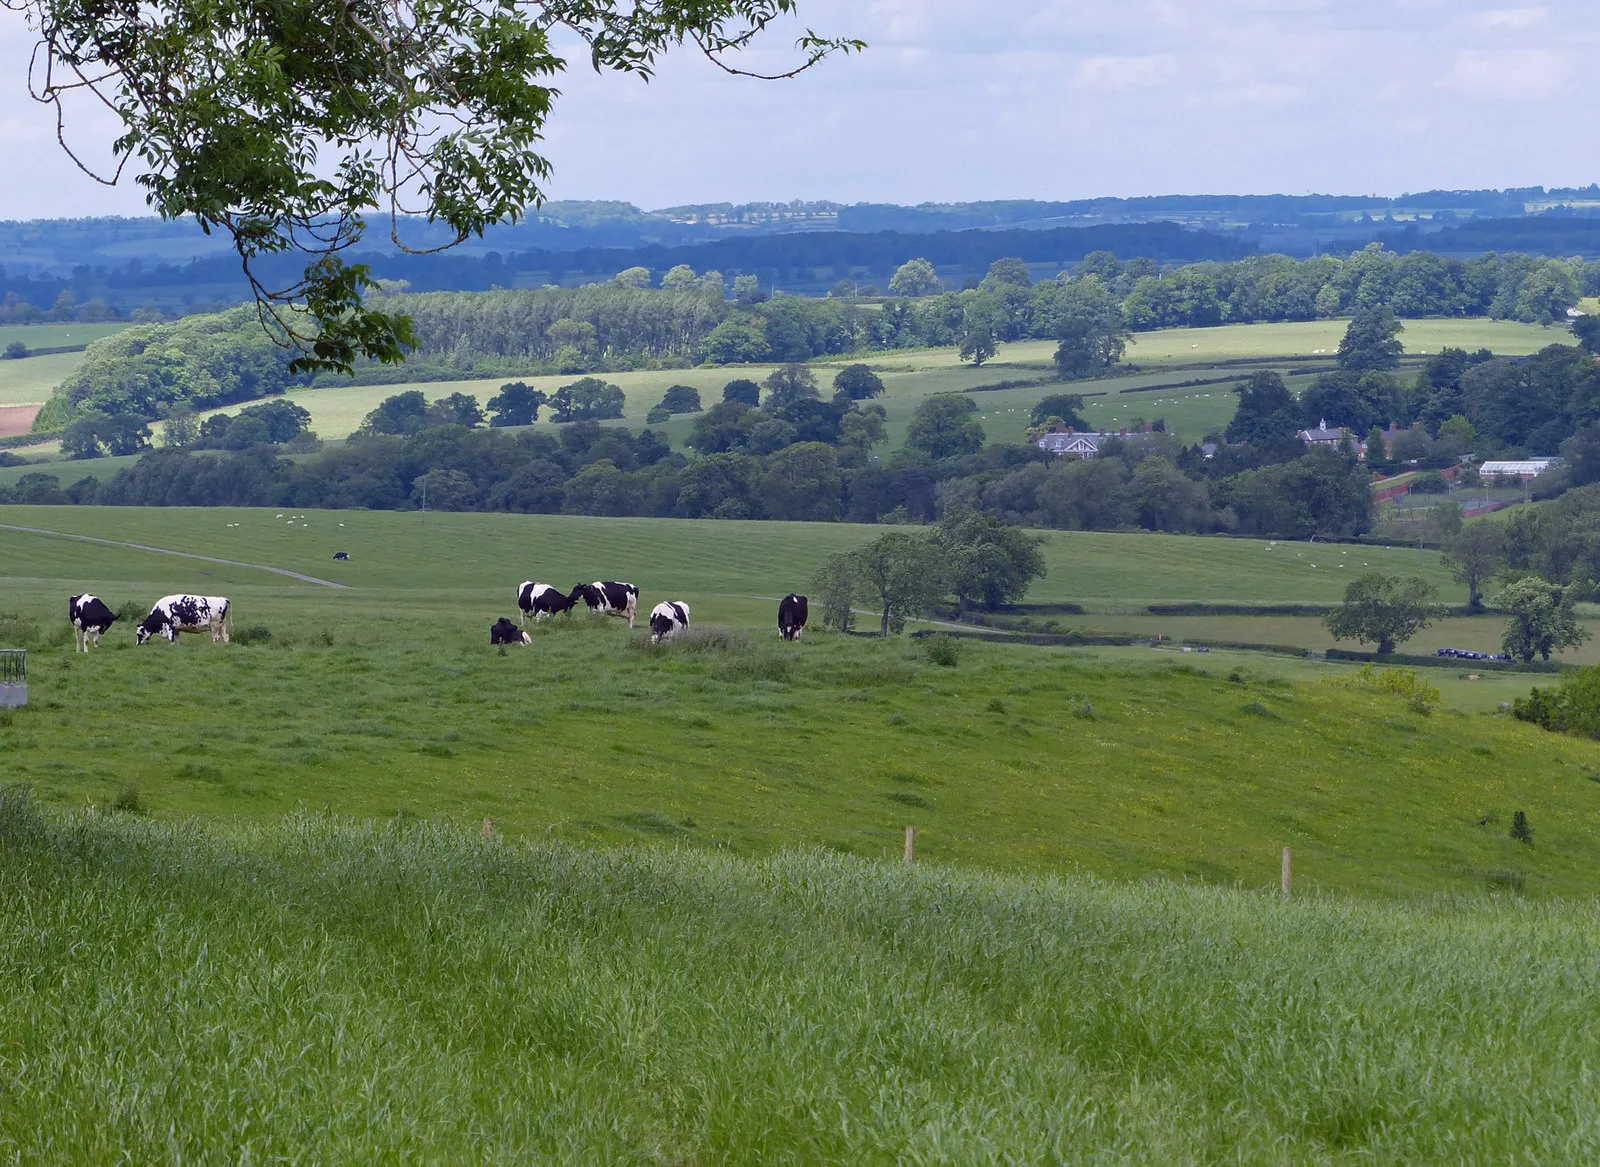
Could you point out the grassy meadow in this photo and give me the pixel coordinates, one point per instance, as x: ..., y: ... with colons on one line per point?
x: 384, y: 698
x: 318, y: 990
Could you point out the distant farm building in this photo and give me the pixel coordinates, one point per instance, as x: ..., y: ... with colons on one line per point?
x: 1071, y: 443
x: 1524, y: 470
x: 1331, y: 436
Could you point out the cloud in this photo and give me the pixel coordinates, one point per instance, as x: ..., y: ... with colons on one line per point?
x: 1510, y: 74
x: 1109, y: 72
x: 1497, y: 19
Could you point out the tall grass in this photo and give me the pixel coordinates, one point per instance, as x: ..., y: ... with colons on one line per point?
x: 320, y: 990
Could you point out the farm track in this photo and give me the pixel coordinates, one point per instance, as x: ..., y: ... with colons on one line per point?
x: 327, y: 583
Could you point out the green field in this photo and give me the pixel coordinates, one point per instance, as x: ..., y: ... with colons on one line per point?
x: 909, y: 376
x: 58, y: 335
x: 31, y: 380
x: 385, y: 698
x: 318, y: 991
x: 691, y: 937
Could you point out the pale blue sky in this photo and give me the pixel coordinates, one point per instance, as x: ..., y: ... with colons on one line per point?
x: 1056, y: 99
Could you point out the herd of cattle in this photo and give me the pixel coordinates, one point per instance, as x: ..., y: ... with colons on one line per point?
x: 171, y: 615
x: 537, y: 601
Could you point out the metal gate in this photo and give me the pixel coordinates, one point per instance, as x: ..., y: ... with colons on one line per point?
x: 13, y: 677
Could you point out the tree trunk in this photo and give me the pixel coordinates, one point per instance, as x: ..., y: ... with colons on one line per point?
x: 883, y: 627
x: 1474, y: 603
x: 1385, y: 647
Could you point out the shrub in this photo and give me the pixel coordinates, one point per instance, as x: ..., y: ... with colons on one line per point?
x: 255, y: 634
x: 1406, y: 684
x: 1520, y: 830
x: 127, y: 800
x: 943, y: 650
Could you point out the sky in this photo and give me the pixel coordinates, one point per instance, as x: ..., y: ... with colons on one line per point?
x: 957, y: 100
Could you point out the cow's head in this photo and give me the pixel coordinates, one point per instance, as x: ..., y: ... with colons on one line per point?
x: 150, y: 625
x: 588, y: 593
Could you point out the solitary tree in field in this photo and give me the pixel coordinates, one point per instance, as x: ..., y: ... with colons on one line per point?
x: 985, y: 560
x: 742, y: 390
x: 1475, y: 555
x: 900, y: 575
x: 282, y: 125
x: 1371, y: 342
x: 1386, y: 609
x: 1542, y: 621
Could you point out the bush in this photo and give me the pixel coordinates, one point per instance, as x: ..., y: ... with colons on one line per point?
x: 255, y: 634
x: 943, y: 649
x: 128, y: 801
x: 1406, y: 684
x: 1520, y: 830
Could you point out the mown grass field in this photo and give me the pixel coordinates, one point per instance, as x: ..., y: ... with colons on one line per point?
x: 385, y: 699
x: 322, y: 991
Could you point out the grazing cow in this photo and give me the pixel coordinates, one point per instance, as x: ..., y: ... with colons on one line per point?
x: 792, y: 614
x: 174, y: 614
x: 540, y: 600
x: 90, y: 620
x: 341, y: 555
x: 505, y: 632
x: 614, y: 599
x: 667, y: 619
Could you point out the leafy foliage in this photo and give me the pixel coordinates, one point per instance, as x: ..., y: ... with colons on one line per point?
x: 1543, y: 619
x: 1387, y: 610
x: 284, y: 126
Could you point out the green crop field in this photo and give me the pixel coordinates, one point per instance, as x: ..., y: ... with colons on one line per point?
x: 58, y: 335
x: 321, y: 991
x: 30, y: 381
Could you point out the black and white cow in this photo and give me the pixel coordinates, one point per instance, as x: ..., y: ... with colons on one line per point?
x: 540, y: 600
x: 667, y: 619
x: 610, y: 597
x: 792, y: 614
x: 174, y: 614
x: 90, y: 620
x: 505, y: 632
x: 341, y: 555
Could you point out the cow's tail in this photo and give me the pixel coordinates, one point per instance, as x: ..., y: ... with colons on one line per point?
x: 227, y: 622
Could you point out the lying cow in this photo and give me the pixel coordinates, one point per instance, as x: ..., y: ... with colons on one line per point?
x: 90, y: 620
x: 614, y: 599
x: 505, y: 632
x: 792, y: 614
x: 174, y: 614
x: 540, y: 600
x: 667, y: 619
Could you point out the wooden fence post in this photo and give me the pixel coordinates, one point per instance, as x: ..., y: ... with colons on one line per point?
x: 911, y: 844
x: 488, y: 827
x: 1287, y: 871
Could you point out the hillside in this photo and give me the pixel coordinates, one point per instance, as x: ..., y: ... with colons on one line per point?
x: 375, y: 992
x: 385, y: 698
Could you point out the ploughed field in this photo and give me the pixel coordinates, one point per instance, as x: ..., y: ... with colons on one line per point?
x: 384, y: 699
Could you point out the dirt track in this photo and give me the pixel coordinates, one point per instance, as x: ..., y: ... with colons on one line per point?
x: 17, y: 419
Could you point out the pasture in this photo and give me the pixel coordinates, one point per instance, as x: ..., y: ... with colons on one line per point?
x: 384, y: 698
x: 909, y: 376
x: 323, y: 990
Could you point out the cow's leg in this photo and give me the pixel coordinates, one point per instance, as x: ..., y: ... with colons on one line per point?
x: 77, y: 639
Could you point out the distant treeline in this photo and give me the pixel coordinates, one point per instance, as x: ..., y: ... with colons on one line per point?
x: 204, y: 362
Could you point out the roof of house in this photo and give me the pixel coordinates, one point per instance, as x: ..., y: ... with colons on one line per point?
x: 1520, y: 466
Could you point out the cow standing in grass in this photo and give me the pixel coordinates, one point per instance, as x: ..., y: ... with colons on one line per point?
x: 90, y: 620
x: 174, y: 614
x: 792, y: 614
x: 540, y: 600
x: 668, y: 619
x: 610, y: 597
